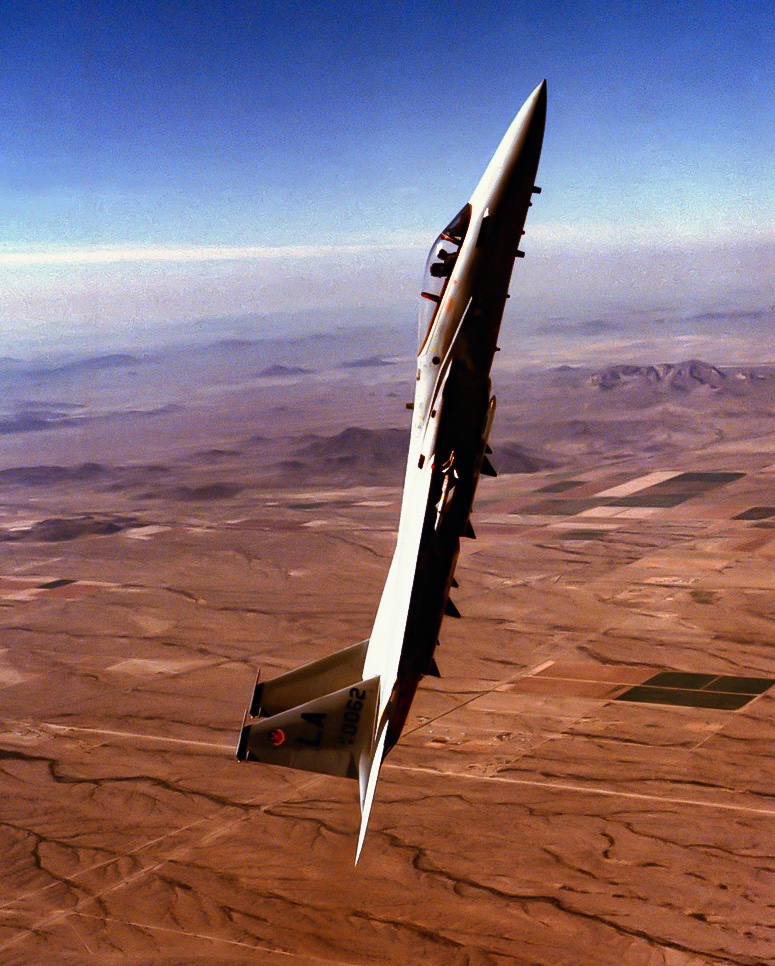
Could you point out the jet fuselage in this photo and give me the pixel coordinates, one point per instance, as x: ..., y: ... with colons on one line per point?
x: 454, y: 389
x: 341, y: 714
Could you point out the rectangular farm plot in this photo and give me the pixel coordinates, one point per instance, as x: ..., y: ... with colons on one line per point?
x: 677, y: 489
x: 561, y: 486
x: 639, y: 484
x: 580, y: 534
x: 689, y: 690
x: 756, y: 513
x: 560, y: 507
x: 655, y: 491
x: 660, y: 501
x: 575, y: 679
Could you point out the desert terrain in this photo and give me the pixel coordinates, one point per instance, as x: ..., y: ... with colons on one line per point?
x: 590, y: 780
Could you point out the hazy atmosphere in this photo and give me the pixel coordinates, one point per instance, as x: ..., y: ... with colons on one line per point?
x: 192, y: 171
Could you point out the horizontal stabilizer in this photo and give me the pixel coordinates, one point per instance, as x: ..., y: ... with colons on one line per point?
x: 311, y: 681
x: 329, y: 735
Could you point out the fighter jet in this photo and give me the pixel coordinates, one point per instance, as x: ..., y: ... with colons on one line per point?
x: 341, y: 715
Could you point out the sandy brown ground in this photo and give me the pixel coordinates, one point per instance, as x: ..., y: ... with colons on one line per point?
x: 527, y: 816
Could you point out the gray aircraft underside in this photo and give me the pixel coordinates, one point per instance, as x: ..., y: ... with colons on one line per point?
x: 341, y: 715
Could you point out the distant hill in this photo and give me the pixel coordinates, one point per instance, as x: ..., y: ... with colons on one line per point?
x: 61, y: 529
x: 207, y: 492
x: 115, y: 360
x: 356, y: 454
x: 31, y: 422
x: 512, y: 458
x: 277, y: 370
x: 378, y: 456
x: 235, y: 345
x: 33, y: 416
x: 53, y: 475
x: 355, y: 445
x: 679, y: 376
x: 94, y: 475
x: 370, y: 362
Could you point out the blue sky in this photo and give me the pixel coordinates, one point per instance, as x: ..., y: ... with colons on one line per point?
x: 166, y: 162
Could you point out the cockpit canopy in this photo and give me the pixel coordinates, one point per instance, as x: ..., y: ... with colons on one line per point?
x: 438, y: 267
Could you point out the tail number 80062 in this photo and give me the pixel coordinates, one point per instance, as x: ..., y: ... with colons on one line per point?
x: 352, y: 717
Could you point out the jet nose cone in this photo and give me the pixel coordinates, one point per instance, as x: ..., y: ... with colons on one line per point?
x: 533, y: 114
x: 536, y: 103
x: 520, y: 144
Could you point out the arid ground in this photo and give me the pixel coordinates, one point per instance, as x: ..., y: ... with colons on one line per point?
x: 590, y: 781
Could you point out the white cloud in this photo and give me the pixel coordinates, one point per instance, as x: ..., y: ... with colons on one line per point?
x: 113, y: 294
x: 108, y: 255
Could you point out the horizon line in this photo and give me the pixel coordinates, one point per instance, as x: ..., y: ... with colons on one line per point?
x: 665, y: 239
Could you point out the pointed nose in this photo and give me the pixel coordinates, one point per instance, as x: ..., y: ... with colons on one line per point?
x: 540, y: 94
x: 537, y: 112
x: 533, y: 113
x: 519, y: 150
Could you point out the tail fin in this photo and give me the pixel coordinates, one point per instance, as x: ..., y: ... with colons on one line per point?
x: 331, y: 734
